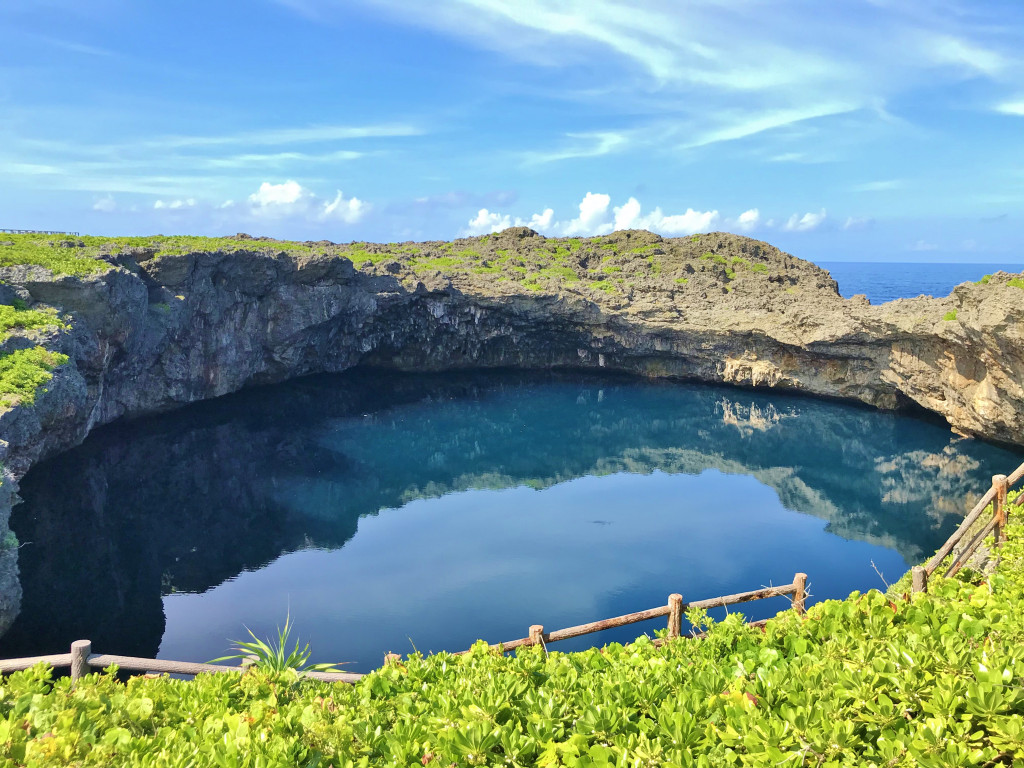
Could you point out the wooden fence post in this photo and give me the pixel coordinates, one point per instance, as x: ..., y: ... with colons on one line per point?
x: 80, y: 650
x: 800, y: 595
x: 999, y: 485
x: 919, y: 579
x: 675, y: 615
x: 536, y: 634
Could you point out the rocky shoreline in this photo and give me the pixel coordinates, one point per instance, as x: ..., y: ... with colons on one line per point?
x: 153, y: 328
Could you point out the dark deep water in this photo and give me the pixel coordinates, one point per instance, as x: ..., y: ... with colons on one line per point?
x: 388, y: 510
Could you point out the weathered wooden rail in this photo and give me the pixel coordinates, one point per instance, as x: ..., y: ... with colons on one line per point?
x: 994, y: 498
x: 674, y: 610
x: 81, y: 660
x: 37, y: 232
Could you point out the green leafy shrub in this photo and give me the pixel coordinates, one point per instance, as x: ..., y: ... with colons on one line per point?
x: 1016, y: 282
x: 717, y: 258
x: 24, y: 371
x: 951, y: 315
x: 984, y: 280
x: 20, y: 317
x: 759, y: 268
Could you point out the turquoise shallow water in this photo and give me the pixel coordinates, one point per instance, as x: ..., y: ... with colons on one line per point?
x: 387, y: 512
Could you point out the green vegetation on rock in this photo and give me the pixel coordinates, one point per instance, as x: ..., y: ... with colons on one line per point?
x: 23, y: 371
x: 18, y: 316
x: 1016, y: 282
x: 951, y: 315
x: 60, y: 255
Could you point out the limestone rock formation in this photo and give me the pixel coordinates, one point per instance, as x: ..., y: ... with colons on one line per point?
x: 160, y: 327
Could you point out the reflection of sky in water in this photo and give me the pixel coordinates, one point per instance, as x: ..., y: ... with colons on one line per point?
x: 424, y: 488
x: 448, y: 570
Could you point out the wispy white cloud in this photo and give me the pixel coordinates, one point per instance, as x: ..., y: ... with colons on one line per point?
x: 880, y: 186
x: 279, y: 158
x: 856, y: 222
x: 1011, y: 107
x: 586, y: 145
x: 922, y: 246
x: 287, y: 136
x: 808, y: 221
x: 174, y: 205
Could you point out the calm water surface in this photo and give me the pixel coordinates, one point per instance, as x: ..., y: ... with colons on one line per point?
x: 884, y: 281
x: 388, y: 512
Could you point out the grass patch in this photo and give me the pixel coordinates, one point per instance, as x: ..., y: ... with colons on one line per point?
x: 603, y: 285
x: 951, y: 315
x: 437, y: 262
x: 682, y: 280
x: 24, y: 371
x: 564, y: 274
x: 43, y: 251
x: 714, y: 257
x: 984, y: 280
x: 761, y: 269
x: 19, y: 317
x: 1016, y: 282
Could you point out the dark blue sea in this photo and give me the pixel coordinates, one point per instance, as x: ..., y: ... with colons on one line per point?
x: 885, y: 281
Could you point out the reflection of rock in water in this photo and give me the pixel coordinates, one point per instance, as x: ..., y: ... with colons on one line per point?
x: 749, y: 417
x: 185, y: 501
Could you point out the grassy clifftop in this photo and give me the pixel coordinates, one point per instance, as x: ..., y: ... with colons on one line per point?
x: 521, y: 259
x: 934, y: 680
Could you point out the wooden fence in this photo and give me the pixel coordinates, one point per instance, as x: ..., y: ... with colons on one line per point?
x: 994, y: 498
x: 674, y: 610
x: 82, y: 660
x: 37, y: 232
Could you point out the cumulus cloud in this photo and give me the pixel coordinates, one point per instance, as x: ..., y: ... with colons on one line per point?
x: 278, y: 196
x: 808, y: 221
x: 350, y: 210
x: 629, y: 216
x: 291, y: 199
x: 486, y: 222
x: 748, y: 219
x: 597, y: 217
x: 105, y: 205
x: 593, y: 218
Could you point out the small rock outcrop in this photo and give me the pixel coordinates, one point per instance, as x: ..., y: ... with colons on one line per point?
x: 160, y: 327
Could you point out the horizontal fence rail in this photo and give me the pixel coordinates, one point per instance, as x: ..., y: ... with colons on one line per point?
x: 36, y: 232
x: 82, y: 660
x: 674, y: 610
x: 993, y: 499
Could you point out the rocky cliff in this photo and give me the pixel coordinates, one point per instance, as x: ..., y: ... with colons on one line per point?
x: 153, y: 323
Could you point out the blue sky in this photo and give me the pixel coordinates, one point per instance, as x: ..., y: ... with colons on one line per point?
x: 846, y: 130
